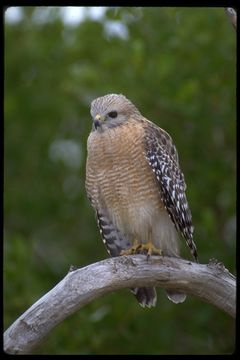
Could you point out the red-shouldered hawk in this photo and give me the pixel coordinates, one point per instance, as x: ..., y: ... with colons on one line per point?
x: 136, y: 187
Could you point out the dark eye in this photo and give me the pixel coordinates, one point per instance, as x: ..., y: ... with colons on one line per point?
x: 112, y: 114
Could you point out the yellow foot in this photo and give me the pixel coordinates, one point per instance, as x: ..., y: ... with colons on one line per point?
x: 131, y: 251
x: 150, y: 249
x: 147, y: 248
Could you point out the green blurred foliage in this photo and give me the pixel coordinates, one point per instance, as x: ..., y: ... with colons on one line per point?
x: 178, y: 65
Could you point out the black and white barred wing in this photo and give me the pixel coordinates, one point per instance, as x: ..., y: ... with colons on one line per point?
x: 163, y: 159
x: 112, y: 238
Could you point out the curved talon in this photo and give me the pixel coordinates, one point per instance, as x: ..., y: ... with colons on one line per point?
x: 133, y: 250
x: 148, y: 249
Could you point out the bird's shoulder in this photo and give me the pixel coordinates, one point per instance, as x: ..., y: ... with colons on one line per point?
x: 158, y: 140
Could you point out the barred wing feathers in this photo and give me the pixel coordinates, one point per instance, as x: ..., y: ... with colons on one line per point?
x: 162, y: 156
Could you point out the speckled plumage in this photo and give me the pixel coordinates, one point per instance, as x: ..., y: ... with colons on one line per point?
x: 135, y: 184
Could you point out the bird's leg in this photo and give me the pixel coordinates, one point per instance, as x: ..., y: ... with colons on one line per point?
x: 132, y: 250
x: 149, y: 248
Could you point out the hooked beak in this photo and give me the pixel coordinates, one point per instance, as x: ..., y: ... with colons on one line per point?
x: 97, y: 121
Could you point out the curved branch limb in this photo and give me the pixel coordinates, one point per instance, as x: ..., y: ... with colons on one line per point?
x: 211, y: 283
x: 232, y: 16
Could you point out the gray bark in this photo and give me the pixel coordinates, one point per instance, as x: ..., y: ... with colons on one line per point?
x: 232, y: 16
x: 211, y: 282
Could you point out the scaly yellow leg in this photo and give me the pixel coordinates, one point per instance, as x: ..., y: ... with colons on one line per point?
x: 132, y: 250
x: 150, y: 249
x: 147, y: 248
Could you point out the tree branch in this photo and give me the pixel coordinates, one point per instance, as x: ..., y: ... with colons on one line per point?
x: 211, y: 283
x: 232, y: 14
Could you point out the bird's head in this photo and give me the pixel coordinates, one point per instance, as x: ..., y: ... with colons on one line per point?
x: 110, y: 111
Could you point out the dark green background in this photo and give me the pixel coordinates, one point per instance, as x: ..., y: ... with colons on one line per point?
x: 178, y: 66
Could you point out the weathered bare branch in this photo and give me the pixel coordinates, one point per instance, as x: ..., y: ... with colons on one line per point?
x: 211, y: 283
x: 232, y: 16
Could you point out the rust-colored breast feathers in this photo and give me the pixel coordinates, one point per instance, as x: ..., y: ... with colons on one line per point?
x: 119, y: 176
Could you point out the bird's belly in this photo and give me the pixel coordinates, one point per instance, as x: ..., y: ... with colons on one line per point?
x: 123, y: 182
x: 144, y: 219
x: 131, y: 196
